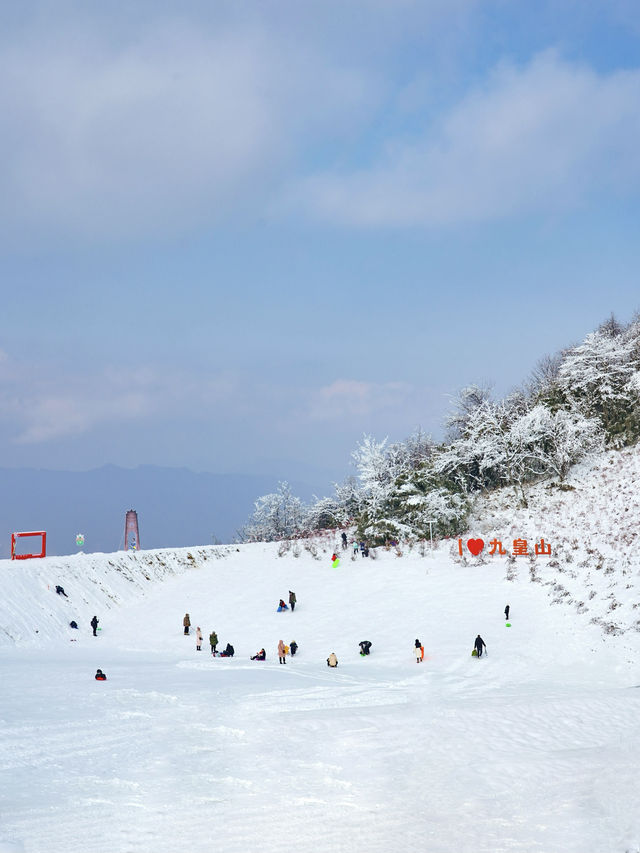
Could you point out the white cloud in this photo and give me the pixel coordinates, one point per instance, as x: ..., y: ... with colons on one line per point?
x: 39, y: 406
x: 534, y: 139
x: 175, y: 127
x: 347, y: 398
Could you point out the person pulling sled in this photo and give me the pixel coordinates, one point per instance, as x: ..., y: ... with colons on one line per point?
x: 479, y: 645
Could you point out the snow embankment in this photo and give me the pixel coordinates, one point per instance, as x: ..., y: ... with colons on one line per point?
x: 592, y: 523
x: 31, y: 611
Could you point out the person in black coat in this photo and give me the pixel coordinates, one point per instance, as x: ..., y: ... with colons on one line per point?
x: 506, y: 612
x: 365, y: 647
x: 100, y: 676
x: 479, y: 644
x: 60, y: 591
x: 94, y: 625
x: 294, y: 647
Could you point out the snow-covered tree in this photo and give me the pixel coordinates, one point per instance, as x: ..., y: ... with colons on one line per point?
x: 278, y: 515
x: 427, y: 503
x: 377, y: 470
x: 324, y: 514
x: 348, y: 497
x: 600, y: 379
x: 557, y: 440
x: 469, y: 399
x: 493, y: 448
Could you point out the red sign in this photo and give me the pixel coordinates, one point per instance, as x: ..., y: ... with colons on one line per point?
x: 520, y: 548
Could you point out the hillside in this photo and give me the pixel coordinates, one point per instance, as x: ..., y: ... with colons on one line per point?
x: 533, y: 748
x: 592, y: 523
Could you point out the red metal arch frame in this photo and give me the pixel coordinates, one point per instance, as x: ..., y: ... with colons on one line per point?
x: 16, y: 536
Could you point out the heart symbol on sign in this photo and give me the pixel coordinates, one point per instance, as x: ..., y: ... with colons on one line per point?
x: 475, y: 546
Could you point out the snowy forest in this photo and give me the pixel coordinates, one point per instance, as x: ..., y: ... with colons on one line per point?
x: 583, y: 399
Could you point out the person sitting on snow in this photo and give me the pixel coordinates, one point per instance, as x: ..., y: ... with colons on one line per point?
x: 60, y: 591
x: 228, y: 652
x: 365, y: 647
x: 332, y: 660
x: 282, y: 606
x: 262, y: 655
x: 100, y: 676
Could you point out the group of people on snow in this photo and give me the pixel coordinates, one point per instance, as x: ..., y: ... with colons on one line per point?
x: 283, y: 650
x: 292, y: 603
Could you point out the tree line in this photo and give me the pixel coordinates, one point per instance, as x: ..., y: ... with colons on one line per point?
x: 583, y: 399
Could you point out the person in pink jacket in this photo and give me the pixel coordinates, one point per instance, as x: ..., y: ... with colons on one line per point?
x: 281, y: 656
x: 198, y: 639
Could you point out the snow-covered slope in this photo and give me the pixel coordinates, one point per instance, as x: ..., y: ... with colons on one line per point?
x: 593, y: 525
x: 31, y: 611
x: 533, y: 748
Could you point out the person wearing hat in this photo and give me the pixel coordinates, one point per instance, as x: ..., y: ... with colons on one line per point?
x: 332, y: 660
x: 100, y: 676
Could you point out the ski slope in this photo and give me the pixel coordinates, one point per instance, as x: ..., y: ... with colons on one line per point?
x: 534, y: 748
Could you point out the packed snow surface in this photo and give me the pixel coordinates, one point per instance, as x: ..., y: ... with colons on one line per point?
x: 535, y: 747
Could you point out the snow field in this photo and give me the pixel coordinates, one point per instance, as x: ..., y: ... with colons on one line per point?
x: 534, y: 748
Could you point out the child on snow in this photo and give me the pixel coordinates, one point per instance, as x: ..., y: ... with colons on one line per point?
x: 282, y: 606
x: 419, y: 651
x: 293, y: 647
x: 100, y: 676
x: 365, y: 647
x: 262, y: 655
x: 332, y: 660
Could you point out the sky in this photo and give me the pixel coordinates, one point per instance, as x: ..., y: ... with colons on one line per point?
x: 236, y: 237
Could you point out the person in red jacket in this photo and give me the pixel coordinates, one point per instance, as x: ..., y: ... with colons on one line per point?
x: 100, y: 676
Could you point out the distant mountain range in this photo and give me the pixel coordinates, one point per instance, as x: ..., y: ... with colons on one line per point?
x: 176, y: 507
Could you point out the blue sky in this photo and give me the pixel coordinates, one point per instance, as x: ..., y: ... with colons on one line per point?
x: 236, y: 236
